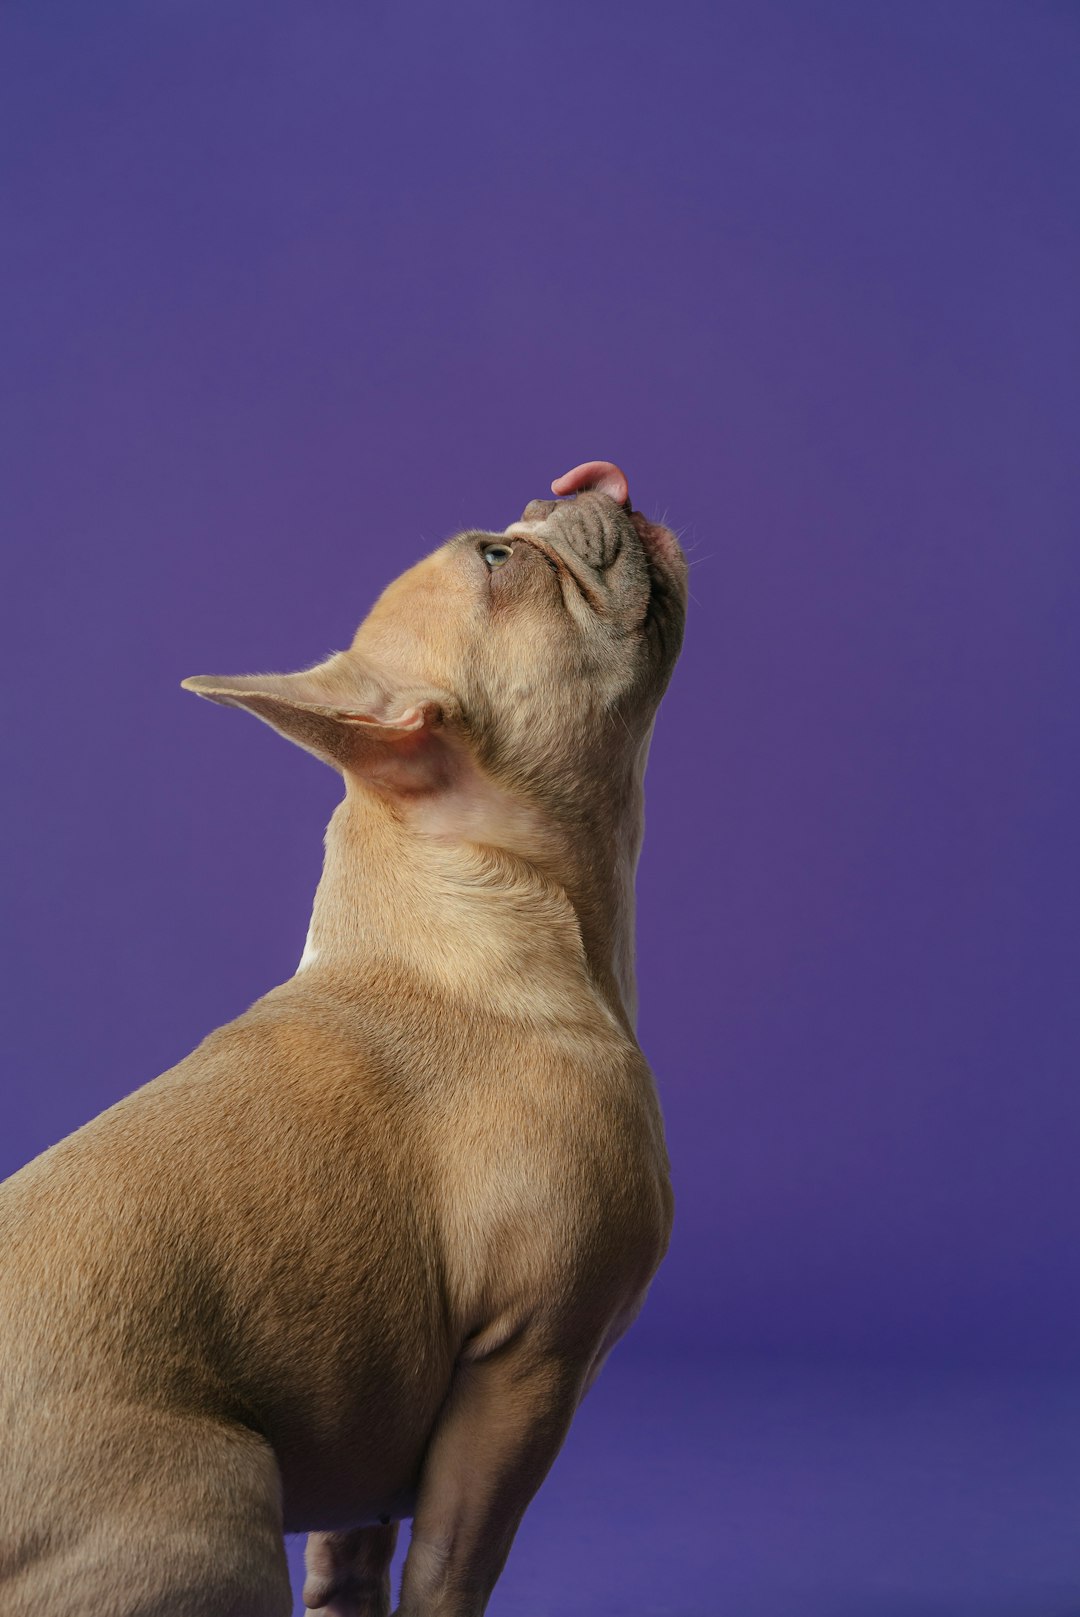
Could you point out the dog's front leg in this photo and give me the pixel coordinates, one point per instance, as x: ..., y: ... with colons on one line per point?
x: 500, y: 1430
x: 348, y: 1574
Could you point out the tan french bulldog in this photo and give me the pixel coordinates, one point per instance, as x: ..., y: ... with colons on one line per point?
x: 359, y: 1256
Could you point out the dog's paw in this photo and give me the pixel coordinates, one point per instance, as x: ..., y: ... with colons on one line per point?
x: 348, y: 1574
x: 345, y: 1596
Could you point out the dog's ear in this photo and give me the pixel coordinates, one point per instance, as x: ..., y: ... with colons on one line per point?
x: 396, y: 737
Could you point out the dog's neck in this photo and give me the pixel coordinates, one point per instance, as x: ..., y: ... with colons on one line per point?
x: 516, y: 923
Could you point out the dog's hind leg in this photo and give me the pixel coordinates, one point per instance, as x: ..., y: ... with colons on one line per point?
x: 155, y: 1515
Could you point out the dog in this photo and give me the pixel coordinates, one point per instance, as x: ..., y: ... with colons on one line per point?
x: 359, y: 1256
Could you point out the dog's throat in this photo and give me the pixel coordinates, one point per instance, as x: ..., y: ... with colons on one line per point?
x: 468, y: 920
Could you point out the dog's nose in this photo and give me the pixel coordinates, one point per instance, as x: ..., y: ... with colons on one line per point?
x: 538, y: 510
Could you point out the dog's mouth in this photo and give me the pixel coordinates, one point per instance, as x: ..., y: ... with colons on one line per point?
x: 607, y: 554
x: 657, y: 610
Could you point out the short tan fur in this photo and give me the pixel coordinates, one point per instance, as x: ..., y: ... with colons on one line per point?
x: 359, y: 1256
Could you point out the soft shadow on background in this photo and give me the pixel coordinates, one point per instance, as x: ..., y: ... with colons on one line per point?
x: 292, y: 292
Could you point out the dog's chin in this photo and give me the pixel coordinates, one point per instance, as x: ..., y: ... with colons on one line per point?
x: 662, y: 549
x: 665, y: 610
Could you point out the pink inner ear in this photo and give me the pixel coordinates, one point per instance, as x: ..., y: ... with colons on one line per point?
x: 412, y: 719
x: 409, y: 756
x: 601, y: 475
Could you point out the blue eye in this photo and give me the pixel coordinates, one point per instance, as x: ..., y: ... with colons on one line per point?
x: 496, y: 555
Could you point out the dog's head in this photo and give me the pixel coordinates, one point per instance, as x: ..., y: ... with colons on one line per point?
x: 521, y: 666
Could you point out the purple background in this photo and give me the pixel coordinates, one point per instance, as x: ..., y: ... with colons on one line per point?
x: 292, y: 291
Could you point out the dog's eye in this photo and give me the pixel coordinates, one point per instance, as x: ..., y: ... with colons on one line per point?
x: 495, y: 555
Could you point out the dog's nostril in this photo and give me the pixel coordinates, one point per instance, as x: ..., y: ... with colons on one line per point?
x: 538, y: 510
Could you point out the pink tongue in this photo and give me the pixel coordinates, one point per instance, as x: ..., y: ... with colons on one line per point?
x: 600, y: 475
